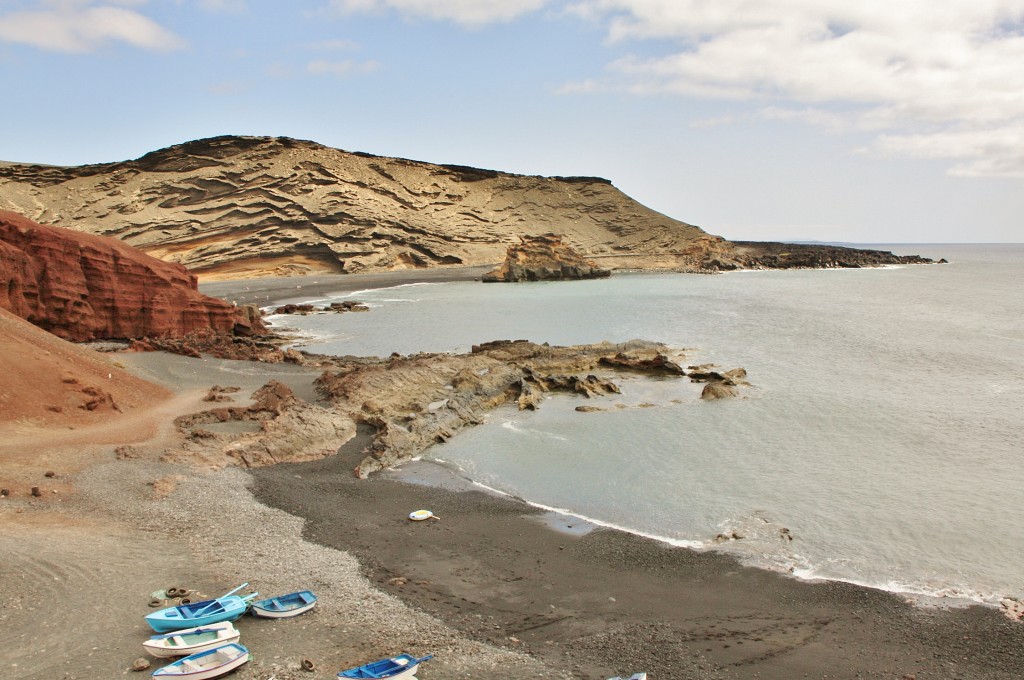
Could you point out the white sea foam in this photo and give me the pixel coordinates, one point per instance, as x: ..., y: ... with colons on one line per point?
x: 518, y: 429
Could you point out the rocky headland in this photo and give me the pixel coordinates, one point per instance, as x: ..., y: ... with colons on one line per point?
x: 413, y: 402
x: 83, y: 287
x: 245, y: 207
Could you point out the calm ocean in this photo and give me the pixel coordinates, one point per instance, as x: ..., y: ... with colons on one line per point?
x: 883, y: 428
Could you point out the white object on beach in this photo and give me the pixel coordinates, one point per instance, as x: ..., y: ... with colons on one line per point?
x: 191, y: 640
x: 635, y: 676
x: 420, y: 515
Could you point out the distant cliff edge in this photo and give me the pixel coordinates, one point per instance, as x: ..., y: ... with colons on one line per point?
x: 239, y: 207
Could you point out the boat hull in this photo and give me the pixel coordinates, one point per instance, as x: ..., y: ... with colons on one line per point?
x: 285, y: 606
x: 212, y: 663
x: 401, y: 666
x: 198, y: 614
x: 271, y: 614
x: 191, y: 640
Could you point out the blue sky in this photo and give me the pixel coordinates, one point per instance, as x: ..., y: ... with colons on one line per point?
x: 874, y: 121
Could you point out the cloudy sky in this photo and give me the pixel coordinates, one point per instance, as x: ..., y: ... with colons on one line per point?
x: 876, y: 121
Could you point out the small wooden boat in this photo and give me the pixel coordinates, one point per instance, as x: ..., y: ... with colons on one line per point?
x: 191, y: 640
x: 284, y: 606
x: 225, y: 608
x: 212, y: 663
x: 401, y: 666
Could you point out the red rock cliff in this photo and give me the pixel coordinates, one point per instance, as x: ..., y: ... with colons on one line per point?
x: 83, y: 287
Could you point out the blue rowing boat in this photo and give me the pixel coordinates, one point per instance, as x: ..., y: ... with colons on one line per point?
x: 212, y: 663
x: 401, y: 666
x: 225, y: 608
x: 284, y: 606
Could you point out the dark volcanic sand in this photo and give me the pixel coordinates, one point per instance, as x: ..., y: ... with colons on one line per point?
x: 606, y: 602
x: 279, y: 290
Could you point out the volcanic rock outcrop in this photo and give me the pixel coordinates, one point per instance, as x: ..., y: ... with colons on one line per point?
x: 413, y: 402
x: 83, y: 287
x: 757, y: 255
x: 544, y: 258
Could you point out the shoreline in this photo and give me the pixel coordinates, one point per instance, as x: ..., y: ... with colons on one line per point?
x: 493, y: 569
x: 279, y: 291
x: 528, y: 539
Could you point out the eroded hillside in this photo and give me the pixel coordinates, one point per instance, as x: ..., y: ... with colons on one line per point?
x: 246, y: 206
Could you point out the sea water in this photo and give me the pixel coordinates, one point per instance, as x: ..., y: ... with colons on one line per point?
x: 880, y: 442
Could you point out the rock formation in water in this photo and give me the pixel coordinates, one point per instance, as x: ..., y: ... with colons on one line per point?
x: 544, y: 258
x: 416, y: 401
x: 83, y: 287
x: 236, y: 207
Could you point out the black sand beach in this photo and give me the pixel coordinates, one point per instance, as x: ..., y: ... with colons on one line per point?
x: 608, y: 602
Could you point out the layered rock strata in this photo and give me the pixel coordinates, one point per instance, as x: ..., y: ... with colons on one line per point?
x: 243, y: 207
x: 544, y: 258
x: 83, y: 287
x: 235, y: 207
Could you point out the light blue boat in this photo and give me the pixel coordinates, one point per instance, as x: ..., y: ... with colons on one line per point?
x: 225, y: 608
x: 284, y: 606
x: 401, y: 666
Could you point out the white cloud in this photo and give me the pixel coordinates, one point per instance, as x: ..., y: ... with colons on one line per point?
x: 984, y: 152
x: 79, y: 27
x: 346, y: 67
x: 905, y: 66
x: 465, y: 12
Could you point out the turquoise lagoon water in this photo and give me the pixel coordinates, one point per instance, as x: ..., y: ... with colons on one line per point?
x: 882, y: 428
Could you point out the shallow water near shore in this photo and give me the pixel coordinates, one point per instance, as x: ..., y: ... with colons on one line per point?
x: 881, y: 432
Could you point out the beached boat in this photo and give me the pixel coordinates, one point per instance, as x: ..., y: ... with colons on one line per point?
x: 225, y: 608
x: 191, y: 640
x: 284, y: 606
x: 212, y: 663
x: 401, y: 666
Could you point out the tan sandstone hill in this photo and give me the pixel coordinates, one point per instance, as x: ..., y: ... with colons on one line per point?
x: 236, y: 207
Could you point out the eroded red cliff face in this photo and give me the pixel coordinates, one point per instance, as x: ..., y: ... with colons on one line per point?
x: 83, y: 287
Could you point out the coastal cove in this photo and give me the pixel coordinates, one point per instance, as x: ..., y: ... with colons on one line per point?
x: 866, y: 399
x: 493, y: 568
x: 489, y: 588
